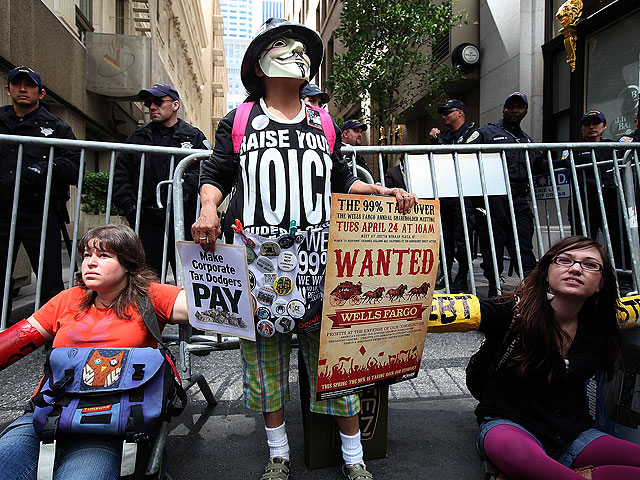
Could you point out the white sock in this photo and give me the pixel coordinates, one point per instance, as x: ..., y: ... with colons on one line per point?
x: 278, y: 442
x: 351, y: 448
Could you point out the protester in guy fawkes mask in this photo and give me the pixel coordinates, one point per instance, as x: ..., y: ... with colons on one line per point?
x: 272, y: 188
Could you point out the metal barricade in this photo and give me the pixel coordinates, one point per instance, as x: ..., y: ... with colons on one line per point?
x: 83, y: 147
x: 625, y: 166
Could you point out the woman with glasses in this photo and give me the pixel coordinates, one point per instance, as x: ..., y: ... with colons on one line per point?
x: 556, y: 330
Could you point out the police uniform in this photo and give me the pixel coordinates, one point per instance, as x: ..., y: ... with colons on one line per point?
x: 156, y: 169
x: 500, y: 133
x: 42, y: 124
x: 451, y: 216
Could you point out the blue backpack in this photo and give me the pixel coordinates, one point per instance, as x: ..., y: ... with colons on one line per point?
x: 121, y: 392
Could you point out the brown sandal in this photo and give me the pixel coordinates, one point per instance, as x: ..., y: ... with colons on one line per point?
x: 586, y: 472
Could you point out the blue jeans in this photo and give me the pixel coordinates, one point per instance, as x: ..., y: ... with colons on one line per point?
x: 78, y: 458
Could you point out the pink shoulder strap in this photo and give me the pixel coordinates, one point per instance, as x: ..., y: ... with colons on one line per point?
x: 240, y: 124
x: 327, y: 127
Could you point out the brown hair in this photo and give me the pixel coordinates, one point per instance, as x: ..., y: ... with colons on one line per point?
x: 123, y: 241
x: 539, y: 331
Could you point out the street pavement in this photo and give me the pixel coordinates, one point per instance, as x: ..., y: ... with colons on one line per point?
x: 431, y: 425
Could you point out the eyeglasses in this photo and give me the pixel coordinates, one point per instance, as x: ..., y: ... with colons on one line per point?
x: 156, y: 101
x: 451, y: 111
x: 587, y: 265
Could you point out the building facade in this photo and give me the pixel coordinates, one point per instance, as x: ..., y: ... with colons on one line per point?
x: 605, y: 74
x: 173, y: 41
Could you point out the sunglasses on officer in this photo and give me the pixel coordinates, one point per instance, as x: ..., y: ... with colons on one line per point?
x: 157, y: 101
x: 449, y: 112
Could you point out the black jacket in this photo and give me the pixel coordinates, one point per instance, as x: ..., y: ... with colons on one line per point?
x: 499, y: 134
x: 156, y: 168
x: 459, y: 136
x: 583, y: 157
x: 554, y: 412
x: 39, y: 123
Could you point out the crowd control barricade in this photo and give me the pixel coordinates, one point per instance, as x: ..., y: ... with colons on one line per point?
x: 439, y: 171
x: 106, y: 150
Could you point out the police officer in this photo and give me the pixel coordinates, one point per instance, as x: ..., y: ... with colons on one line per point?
x: 507, y: 131
x: 454, y: 117
x: 312, y: 95
x: 167, y: 130
x: 592, y: 127
x: 352, y: 131
x: 28, y: 118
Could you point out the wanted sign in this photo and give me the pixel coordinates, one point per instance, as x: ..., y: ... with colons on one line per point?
x: 381, y: 268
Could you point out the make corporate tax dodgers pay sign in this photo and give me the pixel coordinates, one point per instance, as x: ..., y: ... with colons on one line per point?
x: 217, y: 286
x: 381, y: 269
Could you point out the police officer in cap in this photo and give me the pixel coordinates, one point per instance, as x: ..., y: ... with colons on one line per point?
x: 454, y: 117
x: 508, y: 131
x: 166, y: 130
x: 312, y: 95
x: 28, y: 118
x: 592, y: 127
x: 352, y: 131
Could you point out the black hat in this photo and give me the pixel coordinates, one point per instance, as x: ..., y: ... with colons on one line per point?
x: 312, y: 90
x: 450, y: 105
x: 159, y: 90
x: 270, y: 30
x: 32, y: 74
x: 594, y: 114
x: 519, y: 95
x: 353, y: 123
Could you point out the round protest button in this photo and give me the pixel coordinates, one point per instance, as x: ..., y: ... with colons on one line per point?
x: 286, y: 241
x: 279, y: 307
x: 251, y: 255
x: 283, y: 285
x: 252, y: 280
x: 266, y: 328
x: 254, y: 303
x: 265, y: 265
x: 260, y: 122
x: 296, y: 308
x: 284, y: 324
x: 266, y: 295
x: 270, y: 249
x: 287, y: 261
x: 263, y: 313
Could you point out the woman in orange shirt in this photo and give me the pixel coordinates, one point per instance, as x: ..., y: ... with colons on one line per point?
x: 101, y: 311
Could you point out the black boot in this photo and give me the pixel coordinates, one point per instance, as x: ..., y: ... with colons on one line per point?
x: 459, y: 285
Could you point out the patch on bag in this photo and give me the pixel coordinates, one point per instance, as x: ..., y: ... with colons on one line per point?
x: 103, y: 367
x: 101, y: 408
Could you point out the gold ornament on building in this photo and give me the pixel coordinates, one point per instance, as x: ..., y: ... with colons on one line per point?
x: 568, y: 15
x: 398, y: 135
x: 382, y: 139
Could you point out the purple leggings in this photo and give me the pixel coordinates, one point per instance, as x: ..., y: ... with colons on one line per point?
x: 518, y: 455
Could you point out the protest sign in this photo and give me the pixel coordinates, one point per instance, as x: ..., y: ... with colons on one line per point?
x: 217, y: 286
x: 381, y: 268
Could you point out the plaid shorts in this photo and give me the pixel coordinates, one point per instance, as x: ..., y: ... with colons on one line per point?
x: 265, y: 365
